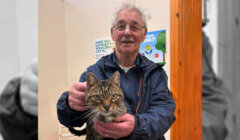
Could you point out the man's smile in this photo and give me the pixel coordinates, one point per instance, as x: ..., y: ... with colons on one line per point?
x: 127, y: 41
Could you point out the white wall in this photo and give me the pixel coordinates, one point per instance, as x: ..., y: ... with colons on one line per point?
x: 52, y: 81
x: 18, y: 37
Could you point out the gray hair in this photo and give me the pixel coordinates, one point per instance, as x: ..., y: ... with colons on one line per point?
x: 130, y: 5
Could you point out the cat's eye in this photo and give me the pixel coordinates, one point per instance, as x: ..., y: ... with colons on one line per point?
x: 97, y: 97
x: 114, y: 96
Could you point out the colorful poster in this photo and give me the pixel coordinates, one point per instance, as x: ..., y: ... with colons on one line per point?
x: 154, y: 46
x: 103, y: 47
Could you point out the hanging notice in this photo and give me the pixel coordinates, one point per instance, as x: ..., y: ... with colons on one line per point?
x: 154, y: 46
x: 103, y: 47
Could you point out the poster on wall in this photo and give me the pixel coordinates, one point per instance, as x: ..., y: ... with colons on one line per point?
x: 103, y: 46
x: 154, y: 46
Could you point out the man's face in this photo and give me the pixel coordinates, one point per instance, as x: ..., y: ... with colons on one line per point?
x: 128, y: 32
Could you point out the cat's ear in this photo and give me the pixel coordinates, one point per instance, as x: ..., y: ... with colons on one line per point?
x: 91, y: 79
x: 116, y: 78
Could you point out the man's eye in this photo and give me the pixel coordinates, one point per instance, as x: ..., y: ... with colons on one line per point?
x: 135, y: 28
x: 120, y: 27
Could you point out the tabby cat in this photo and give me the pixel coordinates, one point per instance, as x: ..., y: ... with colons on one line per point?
x: 105, y: 101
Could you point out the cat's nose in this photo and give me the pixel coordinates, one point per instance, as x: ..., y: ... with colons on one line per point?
x: 107, y: 106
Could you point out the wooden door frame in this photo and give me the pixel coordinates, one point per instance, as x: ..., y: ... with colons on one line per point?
x: 186, y: 68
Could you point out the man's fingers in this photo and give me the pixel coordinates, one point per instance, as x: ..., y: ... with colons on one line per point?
x: 106, y: 132
x: 77, y: 94
x: 80, y: 86
x: 122, y: 118
x: 76, y: 101
x: 79, y: 108
x: 78, y: 90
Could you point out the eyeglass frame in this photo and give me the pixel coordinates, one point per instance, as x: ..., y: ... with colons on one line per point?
x: 134, y: 27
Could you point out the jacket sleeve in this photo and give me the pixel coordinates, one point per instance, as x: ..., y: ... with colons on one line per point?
x: 160, y: 115
x: 68, y: 116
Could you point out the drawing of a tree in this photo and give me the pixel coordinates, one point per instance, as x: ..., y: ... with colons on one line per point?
x: 161, y: 43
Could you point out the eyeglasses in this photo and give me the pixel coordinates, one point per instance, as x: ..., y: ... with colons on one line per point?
x: 133, y: 27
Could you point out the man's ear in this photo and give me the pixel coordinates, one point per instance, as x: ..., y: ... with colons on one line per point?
x: 112, y: 34
x: 145, y: 33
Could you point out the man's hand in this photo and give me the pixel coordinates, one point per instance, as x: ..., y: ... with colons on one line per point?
x: 76, y: 97
x: 122, y: 128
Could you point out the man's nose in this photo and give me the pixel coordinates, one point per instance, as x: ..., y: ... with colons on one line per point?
x: 127, y: 31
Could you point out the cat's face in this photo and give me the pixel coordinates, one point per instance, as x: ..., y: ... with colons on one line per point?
x: 105, y: 98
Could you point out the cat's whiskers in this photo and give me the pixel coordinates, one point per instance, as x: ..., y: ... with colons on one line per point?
x: 90, y: 113
x: 118, y: 112
x: 92, y: 116
x: 86, y: 114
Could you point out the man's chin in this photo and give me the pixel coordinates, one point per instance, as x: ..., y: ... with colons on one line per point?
x: 129, y: 51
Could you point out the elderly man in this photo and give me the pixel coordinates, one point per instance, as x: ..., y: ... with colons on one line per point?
x: 144, y: 83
